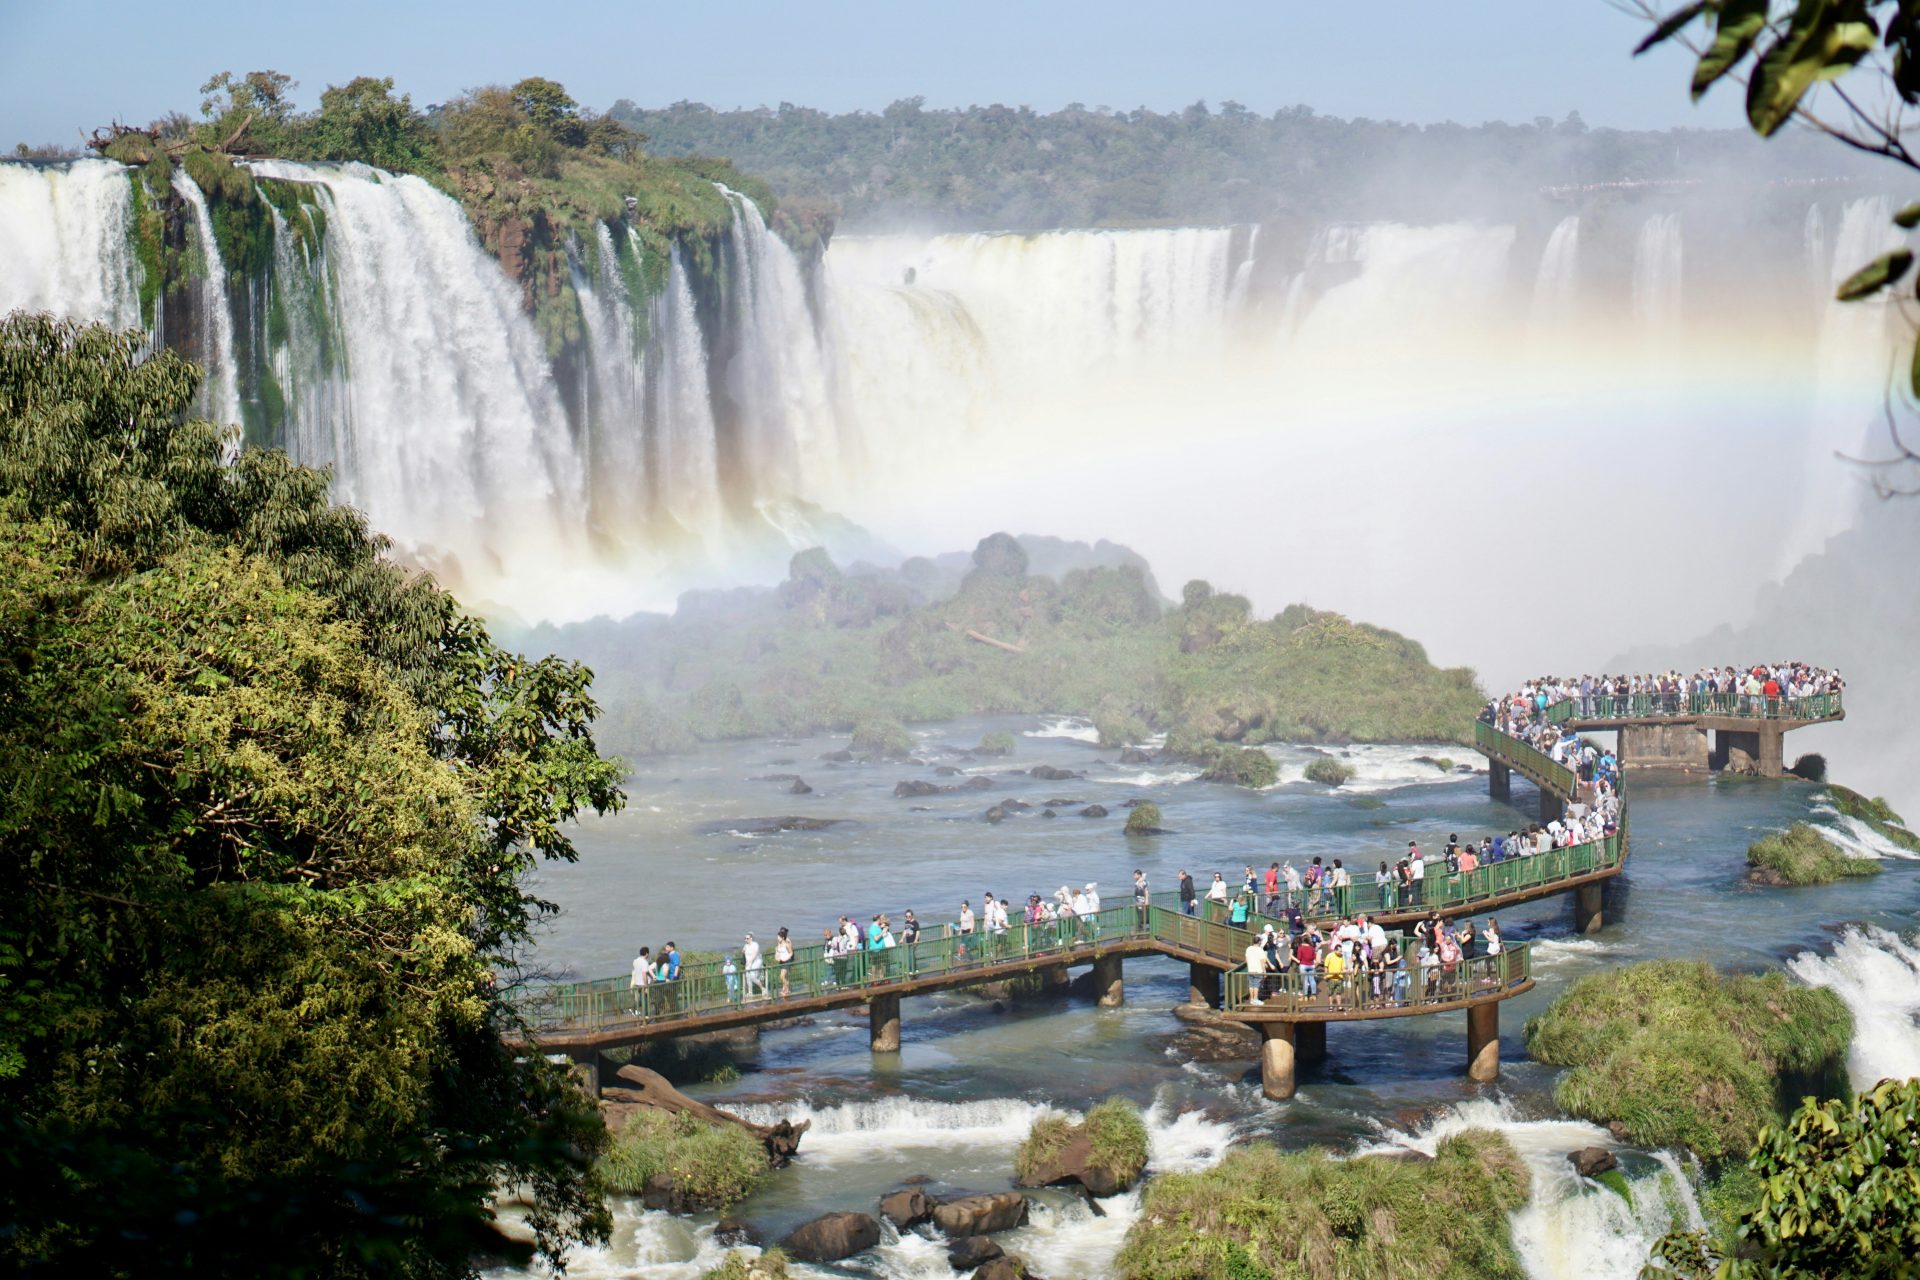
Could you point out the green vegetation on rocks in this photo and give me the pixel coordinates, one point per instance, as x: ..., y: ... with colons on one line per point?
x: 740, y: 1264
x: 826, y: 650
x: 886, y: 739
x: 1243, y: 766
x: 1143, y: 820
x: 1327, y: 770
x: 1682, y: 1056
x: 1106, y: 1152
x: 997, y: 743
x: 1802, y: 855
x: 1876, y: 813
x: 1311, y: 1216
x: 711, y: 1165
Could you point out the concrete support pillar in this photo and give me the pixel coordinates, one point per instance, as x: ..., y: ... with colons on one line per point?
x: 1108, y: 988
x: 1310, y: 1043
x: 1483, y: 1042
x: 1276, y: 1060
x: 883, y: 1023
x: 1772, y: 745
x: 1203, y: 985
x: 1588, y: 900
x: 1054, y: 980
x: 1552, y: 807
x: 586, y: 1069
x: 1499, y: 780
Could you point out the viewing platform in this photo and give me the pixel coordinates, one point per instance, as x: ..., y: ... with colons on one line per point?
x: 1671, y: 731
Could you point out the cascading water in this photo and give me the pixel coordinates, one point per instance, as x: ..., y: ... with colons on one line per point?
x: 1556, y: 288
x: 222, y: 392
x: 1656, y: 277
x: 65, y: 229
x: 1572, y: 1228
x: 1877, y: 973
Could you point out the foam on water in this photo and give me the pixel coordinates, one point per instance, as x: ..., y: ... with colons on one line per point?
x: 1074, y: 728
x: 1855, y: 838
x: 1877, y: 973
x: 1556, y: 951
x: 1570, y: 1228
x: 854, y: 1130
x: 1381, y: 766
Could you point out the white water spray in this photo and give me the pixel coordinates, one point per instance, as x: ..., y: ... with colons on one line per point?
x: 1877, y: 973
x: 64, y: 236
x: 222, y: 392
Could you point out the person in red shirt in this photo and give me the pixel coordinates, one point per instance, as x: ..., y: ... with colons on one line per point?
x: 1308, y: 960
x: 1271, y: 906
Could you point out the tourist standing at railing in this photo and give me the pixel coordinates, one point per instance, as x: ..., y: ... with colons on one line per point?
x: 755, y: 968
x: 1271, y: 906
x: 1292, y: 878
x: 1383, y: 885
x: 1217, y: 891
x: 1237, y: 913
x: 642, y: 978
x: 783, y: 958
x: 1142, y: 899
x: 1307, y: 955
x: 965, y: 928
x: 1186, y: 893
x: 1256, y: 960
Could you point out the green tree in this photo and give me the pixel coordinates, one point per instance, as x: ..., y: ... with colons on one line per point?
x: 250, y: 114
x: 269, y: 802
x: 363, y: 120
x: 1846, y: 70
x: 1839, y: 1196
x: 550, y: 109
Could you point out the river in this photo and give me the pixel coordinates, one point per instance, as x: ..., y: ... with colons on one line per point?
x: 970, y: 1077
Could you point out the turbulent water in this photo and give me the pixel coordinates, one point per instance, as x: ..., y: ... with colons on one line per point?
x: 684, y: 430
x: 971, y: 1078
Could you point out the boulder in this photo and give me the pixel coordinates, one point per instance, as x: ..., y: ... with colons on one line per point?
x: 996, y: 814
x: 1134, y: 755
x: 969, y: 1252
x: 1009, y: 1266
x: 907, y: 1207
x: 839, y: 757
x: 916, y: 787
x: 1094, y: 811
x: 832, y: 1236
x: 980, y: 1215
x: 1048, y: 773
x: 776, y: 777
x: 799, y: 788
x: 1015, y: 806
x: 661, y: 1193
x: 978, y: 782
x: 1739, y: 761
x: 1048, y: 813
x: 1591, y: 1162
x: 733, y: 1232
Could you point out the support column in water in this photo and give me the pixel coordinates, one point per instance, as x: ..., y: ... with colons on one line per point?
x: 1203, y: 985
x: 1108, y: 989
x: 1310, y: 1042
x: 1588, y: 900
x: 1054, y: 980
x: 1483, y: 1042
x: 1499, y: 780
x: 1276, y: 1060
x: 586, y: 1068
x: 883, y: 1023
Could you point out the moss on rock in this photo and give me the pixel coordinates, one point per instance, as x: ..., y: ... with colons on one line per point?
x: 1264, y: 1212
x: 710, y: 1165
x: 1680, y: 1055
x: 886, y: 739
x: 1801, y: 855
x: 1144, y: 820
x: 1242, y: 766
x: 1327, y: 770
x: 1876, y: 813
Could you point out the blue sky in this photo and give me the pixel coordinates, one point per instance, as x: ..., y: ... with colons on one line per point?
x: 66, y: 65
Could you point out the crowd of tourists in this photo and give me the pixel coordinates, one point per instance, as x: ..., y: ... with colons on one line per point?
x: 1360, y: 965
x: 1767, y: 688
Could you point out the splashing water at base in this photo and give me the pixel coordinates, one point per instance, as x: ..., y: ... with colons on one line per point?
x: 1571, y: 1228
x: 1877, y: 973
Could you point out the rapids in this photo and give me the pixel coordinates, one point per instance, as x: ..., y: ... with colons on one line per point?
x: 971, y: 1079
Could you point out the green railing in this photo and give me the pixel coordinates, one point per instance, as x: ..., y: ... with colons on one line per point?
x: 1440, y: 890
x: 1412, y: 985
x: 1529, y: 760
x: 705, y: 988
x: 1738, y: 706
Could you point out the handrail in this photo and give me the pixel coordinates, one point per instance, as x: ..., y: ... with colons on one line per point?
x: 1529, y: 760
x: 1732, y: 706
x: 1311, y: 991
x: 704, y: 987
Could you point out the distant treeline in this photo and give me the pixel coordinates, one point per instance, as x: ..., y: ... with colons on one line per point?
x: 1015, y: 168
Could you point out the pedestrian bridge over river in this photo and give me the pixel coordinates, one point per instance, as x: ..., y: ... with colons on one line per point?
x: 585, y: 1019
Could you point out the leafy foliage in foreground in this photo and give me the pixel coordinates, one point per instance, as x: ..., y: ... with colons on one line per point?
x: 1309, y: 1216
x: 269, y: 801
x: 1835, y: 1192
x: 1683, y: 1056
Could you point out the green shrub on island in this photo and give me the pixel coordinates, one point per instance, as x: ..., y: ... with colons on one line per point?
x: 1144, y: 820
x: 1327, y: 770
x: 1264, y: 1212
x: 711, y: 1165
x: 882, y: 739
x: 1242, y: 766
x: 1812, y: 767
x: 1120, y: 730
x: 1876, y: 813
x: 997, y: 743
x: 1801, y: 855
x: 770, y: 1264
x: 1682, y: 1056
x: 1106, y: 1153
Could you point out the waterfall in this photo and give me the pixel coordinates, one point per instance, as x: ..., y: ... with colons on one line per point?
x: 1877, y: 973
x: 453, y: 438
x: 682, y: 410
x: 1556, y: 289
x: 612, y: 390
x: 66, y: 231
x: 1656, y: 277
x: 221, y: 395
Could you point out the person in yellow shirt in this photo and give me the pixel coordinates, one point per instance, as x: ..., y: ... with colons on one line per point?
x: 1334, y: 968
